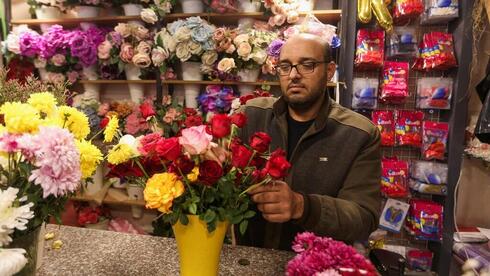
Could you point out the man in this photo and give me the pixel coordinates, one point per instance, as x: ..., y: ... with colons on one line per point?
x: 333, y: 186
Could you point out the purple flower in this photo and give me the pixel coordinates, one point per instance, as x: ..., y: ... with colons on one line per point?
x: 30, y: 44
x: 274, y: 48
x: 115, y: 38
x: 56, y: 41
x: 216, y: 98
x: 83, y: 45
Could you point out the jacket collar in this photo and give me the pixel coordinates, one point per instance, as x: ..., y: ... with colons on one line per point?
x: 280, y: 109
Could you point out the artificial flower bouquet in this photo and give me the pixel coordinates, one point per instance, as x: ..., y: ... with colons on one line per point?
x: 322, y: 256
x: 127, y: 114
x: 222, y: 6
x: 282, y: 11
x: 110, y: 65
x: 84, y: 45
x: 157, y: 10
x: 216, y: 99
x: 136, y: 44
x: 88, y: 215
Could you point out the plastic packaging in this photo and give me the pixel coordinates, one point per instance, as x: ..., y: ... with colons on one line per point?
x: 370, y: 49
x: 419, y: 260
x: 439, y: 11
x: 409, y: 128
x: 402, y: 43
x: 393, y: 215
x: 365, y: 93
x: 434, y: 93
x: 425, y: 188
x: 394, y: 178
x: 424, y: 220
x: 436, y: 52
x: 405, y: 10
x: 434, y: 140
x: 394, y: 89
x: 429, y: 172
x: 385, y: 121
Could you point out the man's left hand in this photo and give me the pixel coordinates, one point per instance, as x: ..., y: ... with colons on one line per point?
x: 277, y: 202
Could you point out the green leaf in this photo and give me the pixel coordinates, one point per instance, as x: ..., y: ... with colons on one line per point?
x: 236, y: 219
x: 243, y: 207
x: 249, y: 214
x: 243, y: 226
x: 183, y: 219
x: 211, y: 226
x: 193, y: 208
x: 209, y: 216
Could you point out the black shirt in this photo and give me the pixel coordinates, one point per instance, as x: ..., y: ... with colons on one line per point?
x: 296, y: 129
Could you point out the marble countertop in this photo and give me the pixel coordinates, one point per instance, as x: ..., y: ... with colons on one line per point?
x: 98, y: 252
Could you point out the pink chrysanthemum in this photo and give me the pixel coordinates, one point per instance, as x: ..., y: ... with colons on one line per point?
x: 8, y: 142
x: 57, y: 159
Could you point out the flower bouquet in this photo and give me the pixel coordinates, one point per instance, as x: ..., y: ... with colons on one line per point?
x: 110, y: 65
x: 157, y: 10
x: 284, y: 11
x: 216, y: 98
x: 135, y: 54
x: 44, y: 155
x: 322, y: 256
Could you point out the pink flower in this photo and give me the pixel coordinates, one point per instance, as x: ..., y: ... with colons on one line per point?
x: 127, y: 52
x: 148, y: 143
x: 72, y: 76
x: 170, y: 115
x: 57, y: 160
x: 135, y: 124
x: 195, y: 140
x: 8, y: 143
x: 104, y: 49
x: 103, y: 109
x: 58, y: 60
x: 55, y: 77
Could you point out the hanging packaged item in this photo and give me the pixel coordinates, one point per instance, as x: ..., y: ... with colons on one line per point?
x: 434, y: 93
x: 406, y: 10
x: 424, y: 220
x: 370, y: 49
x: 439, y: 11
x: 393, y: 215
x: 409, y: 128
x: 429, y: 172
x: 394, y: 178
x: 434, y: 140
x: 425, y: 188
x: 365, y: 93
x: 385, y: 121
x: 402, y: 43
x: 394, y: 89
x: 436, y: 52
x: 419, y: 260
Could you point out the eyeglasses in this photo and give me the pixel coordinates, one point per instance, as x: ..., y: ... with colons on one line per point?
x: 284, y: 69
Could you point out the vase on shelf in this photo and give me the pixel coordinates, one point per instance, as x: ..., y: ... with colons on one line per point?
x: 199, y: 250
x: 135, y: 192
x: 133, y: 10
x: 33, y: 243
x: 47, y: 12
x: 306, y: 5
x: 116, y: 182
x: 248, y: 5
x: 247, y: 75
x: 86, y: 12
x: 191, y: 71
x: 136, y: 90
x: 101, y: 225
x: 192, y: 6
x: 91, y: 90
x: 97, y: 183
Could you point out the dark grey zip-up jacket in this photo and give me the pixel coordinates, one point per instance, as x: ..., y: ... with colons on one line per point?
x: 336, y: 165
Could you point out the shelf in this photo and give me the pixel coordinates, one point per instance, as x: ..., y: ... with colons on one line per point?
x: 181, y: 82
x: 110, y: 199
x: 326, y: 16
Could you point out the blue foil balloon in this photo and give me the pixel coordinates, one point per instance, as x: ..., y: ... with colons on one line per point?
x: 443, y: 3
x: 367, y: 93
x: 434, y: 179
x: 406, y: 38
x: 440, y: 93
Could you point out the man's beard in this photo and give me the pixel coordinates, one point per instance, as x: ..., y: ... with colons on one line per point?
x: 305, y: 103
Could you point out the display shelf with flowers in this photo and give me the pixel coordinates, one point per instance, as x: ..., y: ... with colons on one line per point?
x: 46, y: 9
x: 86, y: 8
x: 157, y: 11
x: 326, y: 16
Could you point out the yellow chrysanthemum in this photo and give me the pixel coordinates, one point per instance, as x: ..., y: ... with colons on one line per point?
x: 74, y: 120
x: 111, y: 129
x: 3, y: 129
x: 44, y: 102
x: 90, y: 157
x: 193, y: 175
x: 160, y: 191
x: 20, y: 118
x: 120, y: 154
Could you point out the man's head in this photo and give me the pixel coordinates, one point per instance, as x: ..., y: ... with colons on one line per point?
x: 302, y: 86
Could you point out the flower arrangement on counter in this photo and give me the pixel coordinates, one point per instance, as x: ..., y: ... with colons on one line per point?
x: 157, y: 10
x: 216, y: 98
x: 325, y: 256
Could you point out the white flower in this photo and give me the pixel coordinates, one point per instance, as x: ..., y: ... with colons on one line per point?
x: 132, y: 142
x: 194, y: 47
x: 40, y: 63
x: 5, y: 238
x: 182, y: 52
x: 182, y: 34
x: 169, y: 43
x: 226, y: 65
x: 241, y: 39
x: 149, y: 16
x: 209, y: 58
x: 235, y: 104
x: 158, y: 56
x: 12, y: 260
x: 259, y: 56
x: 13, y: 217
x: 163, y: 5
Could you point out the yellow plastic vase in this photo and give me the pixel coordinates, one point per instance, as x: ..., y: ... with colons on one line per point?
x: 199, y: 251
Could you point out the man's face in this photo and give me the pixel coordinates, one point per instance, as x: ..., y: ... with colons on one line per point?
x: 302, y: 90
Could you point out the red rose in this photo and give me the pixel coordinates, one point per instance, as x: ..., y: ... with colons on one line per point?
x: 258, y: 162
x: 104, y: 122
x: 190, y: 111
x: 260, y: 141
x: 184, y: 164
x: 220, y: 125
x: 169, y: 149
x: 193, y: 120
x: 239, y: 119
x: 149, y: 142
x: 210, y: 172
x: 147, y: 110
x: 277, y: 166
x: 246, y: 98
x: 240, y: 156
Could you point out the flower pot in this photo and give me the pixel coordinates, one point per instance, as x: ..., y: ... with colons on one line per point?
x: 117, y: 183
x: 33, y: 243
x: 135, y: 192
x: 191, y: 71
x: 199, y: 251
x: 247, y: 75
x: 86, y: 12
x: 307, y: 6
x: 101, y: 225
x: 132, y: 9
x: 192, y: 6
x: 136, y: 90
x: 245, y: 23
x: 91, y: 90
x: 45, y: 12
x: 98, y: 181
x: 248, y: 5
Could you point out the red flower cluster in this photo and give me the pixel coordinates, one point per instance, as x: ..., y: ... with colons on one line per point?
x: 89, y: 215
x: 256, y: 94
x: 19, y: 69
